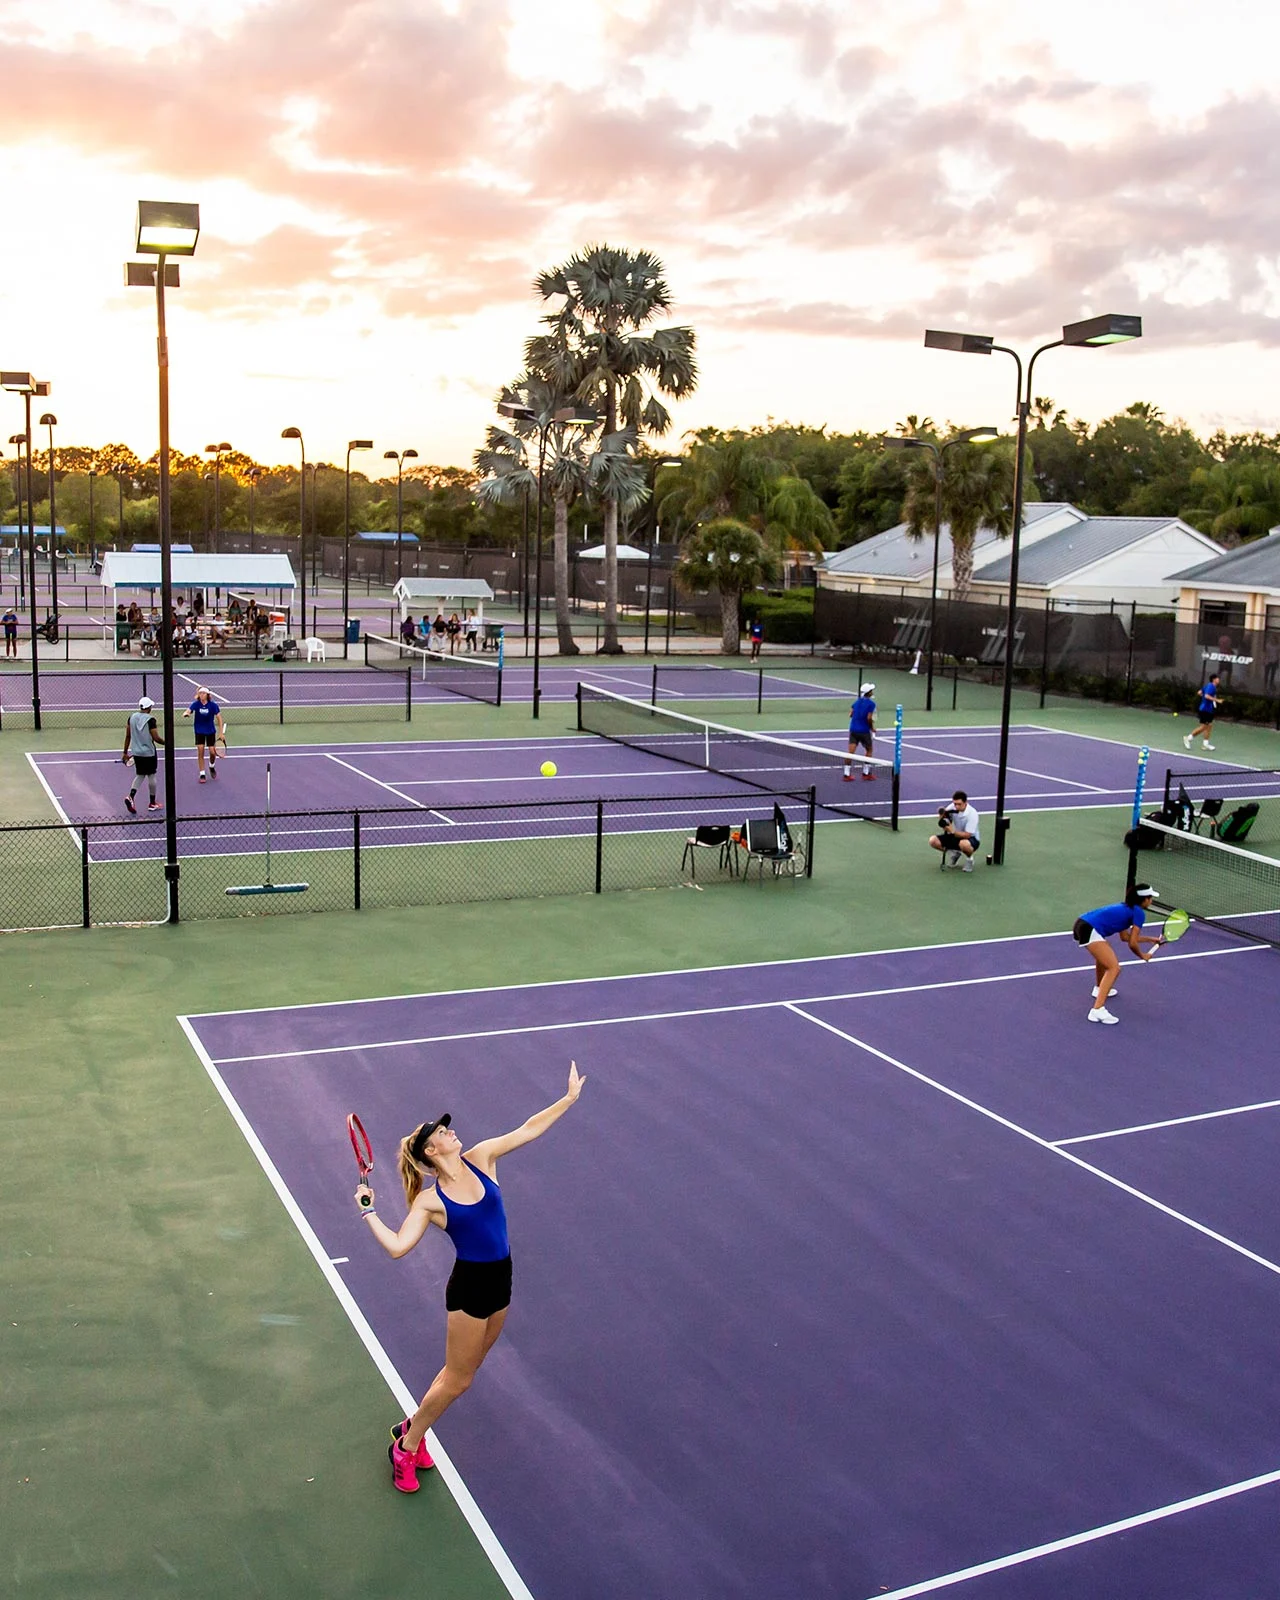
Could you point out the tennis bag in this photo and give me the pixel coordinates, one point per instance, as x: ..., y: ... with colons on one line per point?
x: 1141, y: 838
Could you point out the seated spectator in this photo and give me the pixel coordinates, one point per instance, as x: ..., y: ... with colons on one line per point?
x: 454, y: 630
x: 439, y: 631
x: 424, y: 630
x: 235, y: 612
x: 407, y: 631
x: 218, y: 631
x: 123, y: 631
x: 135, y: 619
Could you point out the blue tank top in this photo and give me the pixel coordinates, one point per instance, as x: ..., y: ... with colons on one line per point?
x: 479, y: 1231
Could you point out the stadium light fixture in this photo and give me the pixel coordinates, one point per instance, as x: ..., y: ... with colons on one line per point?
x: 167, y: 228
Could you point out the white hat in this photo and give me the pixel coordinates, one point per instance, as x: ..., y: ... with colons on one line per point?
x: 867, y: 688
x: 146, y: 703
x: 1144, y: 891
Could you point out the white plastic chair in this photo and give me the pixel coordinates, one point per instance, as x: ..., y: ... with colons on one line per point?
x: 314, y: 648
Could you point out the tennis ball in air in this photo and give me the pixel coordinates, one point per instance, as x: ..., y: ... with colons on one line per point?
x: 548, y: 769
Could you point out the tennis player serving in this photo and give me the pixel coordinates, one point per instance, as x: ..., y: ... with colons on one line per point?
x: 1095, y: 929
x: 456, y: 1190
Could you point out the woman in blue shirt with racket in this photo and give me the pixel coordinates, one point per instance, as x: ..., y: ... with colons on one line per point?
x: 1095, y: 929
x: 464, y: 1199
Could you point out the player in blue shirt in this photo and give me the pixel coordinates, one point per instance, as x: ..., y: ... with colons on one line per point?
x: 208, y: 727
x: 1210, y: 700
x: 862, y: 727
x: 1095, y: 929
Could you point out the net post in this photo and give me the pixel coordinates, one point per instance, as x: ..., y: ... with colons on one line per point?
x: 1131, y: 876
x: 355, y: 856
x: 653, y: 687
x: 1168, y: 793
x: 577, y: 695
x: 84, y: 878
x: 1144, y: 755
x: 813, y: 828
x: 599, y: 846
x: 498, y: 698
x: 955, y: 684
x: 280, y: 676
x: 760, y: 692
x: 408, y: 690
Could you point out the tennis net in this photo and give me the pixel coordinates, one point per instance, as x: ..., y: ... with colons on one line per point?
x: 463, y: 675
x: 1219, y: 883
x: 754, y: 759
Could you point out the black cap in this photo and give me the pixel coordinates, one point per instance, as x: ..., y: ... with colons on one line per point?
x: 425, y: 1132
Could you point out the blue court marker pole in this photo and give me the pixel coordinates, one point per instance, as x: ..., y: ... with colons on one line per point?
x: 501, y: 647
x: 1140, y: 785
x: 897, y: 742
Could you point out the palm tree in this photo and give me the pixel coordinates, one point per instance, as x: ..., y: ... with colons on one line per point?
x: 795, y: 519
x: 977, y: 492
x: 728, y: 555
x: 600, y: 347
x: 724, y: 475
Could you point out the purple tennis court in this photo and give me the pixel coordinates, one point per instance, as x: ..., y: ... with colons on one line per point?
x: 445, y: 780
x: 829, y: 1285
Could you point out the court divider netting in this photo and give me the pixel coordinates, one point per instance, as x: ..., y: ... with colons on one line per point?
x: 248, y: 695
x: 1231, y: 888
x: 756, y: 759
x: 466, y: 675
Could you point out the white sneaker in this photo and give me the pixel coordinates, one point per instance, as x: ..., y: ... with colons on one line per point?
x: 1186, y: 743
x: 1209, y: 746
x: 1112, y: 995
x: 967, y: 864
x: 951, y: 858
x: 1101, y: 1014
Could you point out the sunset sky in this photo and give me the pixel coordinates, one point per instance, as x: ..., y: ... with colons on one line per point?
x: 380, y: 181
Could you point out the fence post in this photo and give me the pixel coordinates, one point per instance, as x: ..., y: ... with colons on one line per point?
x: 577, y: 694
x: 282, y: 699
x: 355, y: 854
x: 84, y: 878
x: 760, y: 692
x: 1044, y: 652
x: 1128, y: 671
x: 653, y: 687
x: 408, y: 689
x: 599, y: 845
x: 813, y: 829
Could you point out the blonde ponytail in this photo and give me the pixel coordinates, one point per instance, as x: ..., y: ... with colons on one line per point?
x: 413, y: 1173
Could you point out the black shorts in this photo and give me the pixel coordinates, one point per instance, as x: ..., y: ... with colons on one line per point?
x: 480, y: 1288
x: 146, y: 766
x: 948, y: 841
x: 206, y: 738
x: 1206, y: 717
x: 863, y: 739
x: 1083, y: 932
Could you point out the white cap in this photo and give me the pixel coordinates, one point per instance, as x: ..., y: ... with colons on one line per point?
x: 867, y: 688
x: 1144, y: 891
x: 146, y: 703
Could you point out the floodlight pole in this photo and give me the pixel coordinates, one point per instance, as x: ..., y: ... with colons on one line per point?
x: 659, y: 463
x: 31, y: 577
x: 49, y: 420
x: 1110, y: 328
x: 171, y: 868
x: 537, y: 576
x: 352, y: 444
x: 93, y: 544
x: 296, y: 433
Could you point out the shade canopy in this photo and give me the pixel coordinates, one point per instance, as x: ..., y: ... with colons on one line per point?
x: 140, y: 569
x: 626, y: 552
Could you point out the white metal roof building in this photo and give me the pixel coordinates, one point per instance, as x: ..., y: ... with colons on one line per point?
x: 1066, y: 555
x: 1240, y: 588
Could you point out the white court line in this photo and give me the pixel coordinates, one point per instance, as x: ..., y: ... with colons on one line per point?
x: 405, y: 1398
x: 53, y: 799
x: 693, y: 1011
x: 630, y: 977
x: 1072, y: 1541
x: 1044, y: 1144
x: 1023, y: 772
x: 390, y: 788
x: 1155, y: 750
x: 1171, y: 1122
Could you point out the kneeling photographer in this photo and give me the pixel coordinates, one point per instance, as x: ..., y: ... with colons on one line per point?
x: 957, y: 836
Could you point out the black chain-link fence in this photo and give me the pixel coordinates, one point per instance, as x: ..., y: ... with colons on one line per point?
x: 112, y: 871
x: 1101, y: 651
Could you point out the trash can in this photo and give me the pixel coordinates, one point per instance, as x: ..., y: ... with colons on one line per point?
x: 353, y: 630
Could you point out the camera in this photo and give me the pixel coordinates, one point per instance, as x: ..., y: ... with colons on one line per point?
x: 946, y: 816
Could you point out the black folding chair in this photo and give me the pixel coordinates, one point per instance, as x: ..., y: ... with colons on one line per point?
x: 1210, y: 810
x: 710, y: 837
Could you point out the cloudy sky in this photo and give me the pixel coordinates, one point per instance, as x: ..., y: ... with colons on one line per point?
x: 379, y: 180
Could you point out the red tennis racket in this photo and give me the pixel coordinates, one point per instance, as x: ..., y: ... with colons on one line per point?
x: 360, y: 1144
